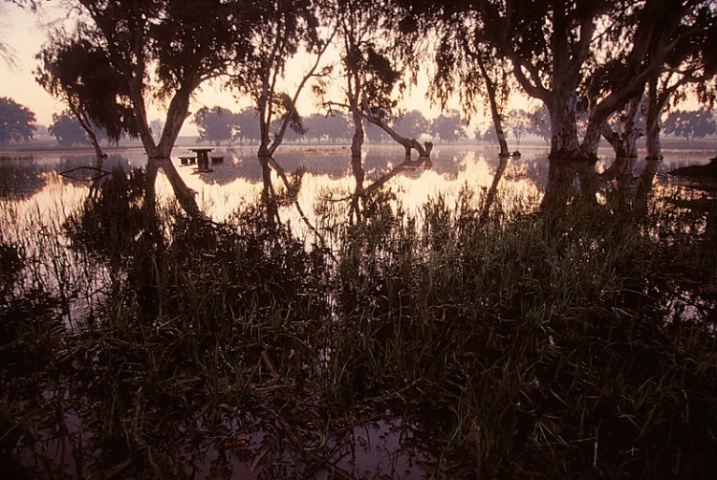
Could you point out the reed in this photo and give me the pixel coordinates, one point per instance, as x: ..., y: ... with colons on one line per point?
x: 538, y: 344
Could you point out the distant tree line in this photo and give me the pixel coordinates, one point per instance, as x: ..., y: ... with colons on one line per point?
x: 219, y: 125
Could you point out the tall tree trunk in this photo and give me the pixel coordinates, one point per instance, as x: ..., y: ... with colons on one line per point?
x: 563, y: 119
x: 159, y: 154
x: 359, y: 175
x: 358, y: 136
x: 652, y: 121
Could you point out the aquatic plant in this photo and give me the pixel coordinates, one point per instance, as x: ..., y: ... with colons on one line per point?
x: 577, y: 342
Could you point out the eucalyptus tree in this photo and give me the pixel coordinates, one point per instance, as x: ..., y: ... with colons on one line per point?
x: 557, y: 48
x: 67, y: 130
x: 448, y: 127
x: 691, y: 68
x: 361, y: 42
x: 215, y: 124
x: 331, y: 127
x: 518, y: 122
x: 161, y: 51
x: 621, y: 129
x: 247, y: 123
x: 413, y: 124
x: 72, y: 69
x: 466, y: 63
x: 372, y: 73
x: 286, y: 28
x: 691, y: 124
x: 372, y: 78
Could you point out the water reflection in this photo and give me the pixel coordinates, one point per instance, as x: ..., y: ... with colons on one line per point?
x: 535, y: 182
x: 202, y: 348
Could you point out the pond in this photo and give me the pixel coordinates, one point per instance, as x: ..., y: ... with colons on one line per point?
x: 474, y: 317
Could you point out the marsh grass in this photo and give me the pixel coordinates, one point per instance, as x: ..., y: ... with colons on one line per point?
x: 577, y: 343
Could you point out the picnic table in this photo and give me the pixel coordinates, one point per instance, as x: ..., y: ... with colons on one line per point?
x: 202, y: 157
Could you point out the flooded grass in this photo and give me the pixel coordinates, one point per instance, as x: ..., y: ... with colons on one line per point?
x: 442, y: 343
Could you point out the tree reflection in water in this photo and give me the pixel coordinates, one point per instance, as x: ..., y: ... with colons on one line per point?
x: 468, y: 337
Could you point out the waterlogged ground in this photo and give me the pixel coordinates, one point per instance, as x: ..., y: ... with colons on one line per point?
x: 471, y: 321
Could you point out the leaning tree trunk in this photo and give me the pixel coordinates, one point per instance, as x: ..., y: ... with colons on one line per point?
x: 86, y: 124
x: 424, y: 151
x: 494, y: 111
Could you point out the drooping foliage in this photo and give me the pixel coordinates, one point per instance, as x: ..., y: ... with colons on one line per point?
x: 83, y: 76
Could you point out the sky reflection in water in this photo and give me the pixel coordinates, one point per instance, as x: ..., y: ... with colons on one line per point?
x: 33, y: 183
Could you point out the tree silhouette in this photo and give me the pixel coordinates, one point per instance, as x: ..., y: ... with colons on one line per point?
x: 573, y: 54
x: 162, y: 49
x: 518, y: 123
x: 448, y: 127
x: 67, y: 130
x: 17, y: 122
x: 247, y: 124
x: 690, y: 124
x: 412, y: 124
x: 215, y: 125
x: 334, y: 127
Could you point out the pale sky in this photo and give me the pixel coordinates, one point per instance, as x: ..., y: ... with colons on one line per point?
x: 24, y: 33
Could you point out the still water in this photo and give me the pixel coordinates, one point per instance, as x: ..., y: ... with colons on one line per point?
x: 46, y: 187
x: 56, y: 182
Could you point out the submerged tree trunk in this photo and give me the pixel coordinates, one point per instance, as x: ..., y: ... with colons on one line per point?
x: 86, y: 124
x: 652, y: 121
x: 267, y: 193
x: 358, y: 136
x: 359, y: 176
x: 159, y: 154
x: 624, y: 139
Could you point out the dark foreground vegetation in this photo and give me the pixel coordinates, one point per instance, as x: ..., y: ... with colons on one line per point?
x: 568, y: 343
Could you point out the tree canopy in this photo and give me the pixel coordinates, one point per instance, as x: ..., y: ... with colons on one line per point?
x: 585, y: 61
x: 690, y: 124
x: 67, y: 130
x: 17, y: 122
x: 215, y: 125
x: 569, y: 54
